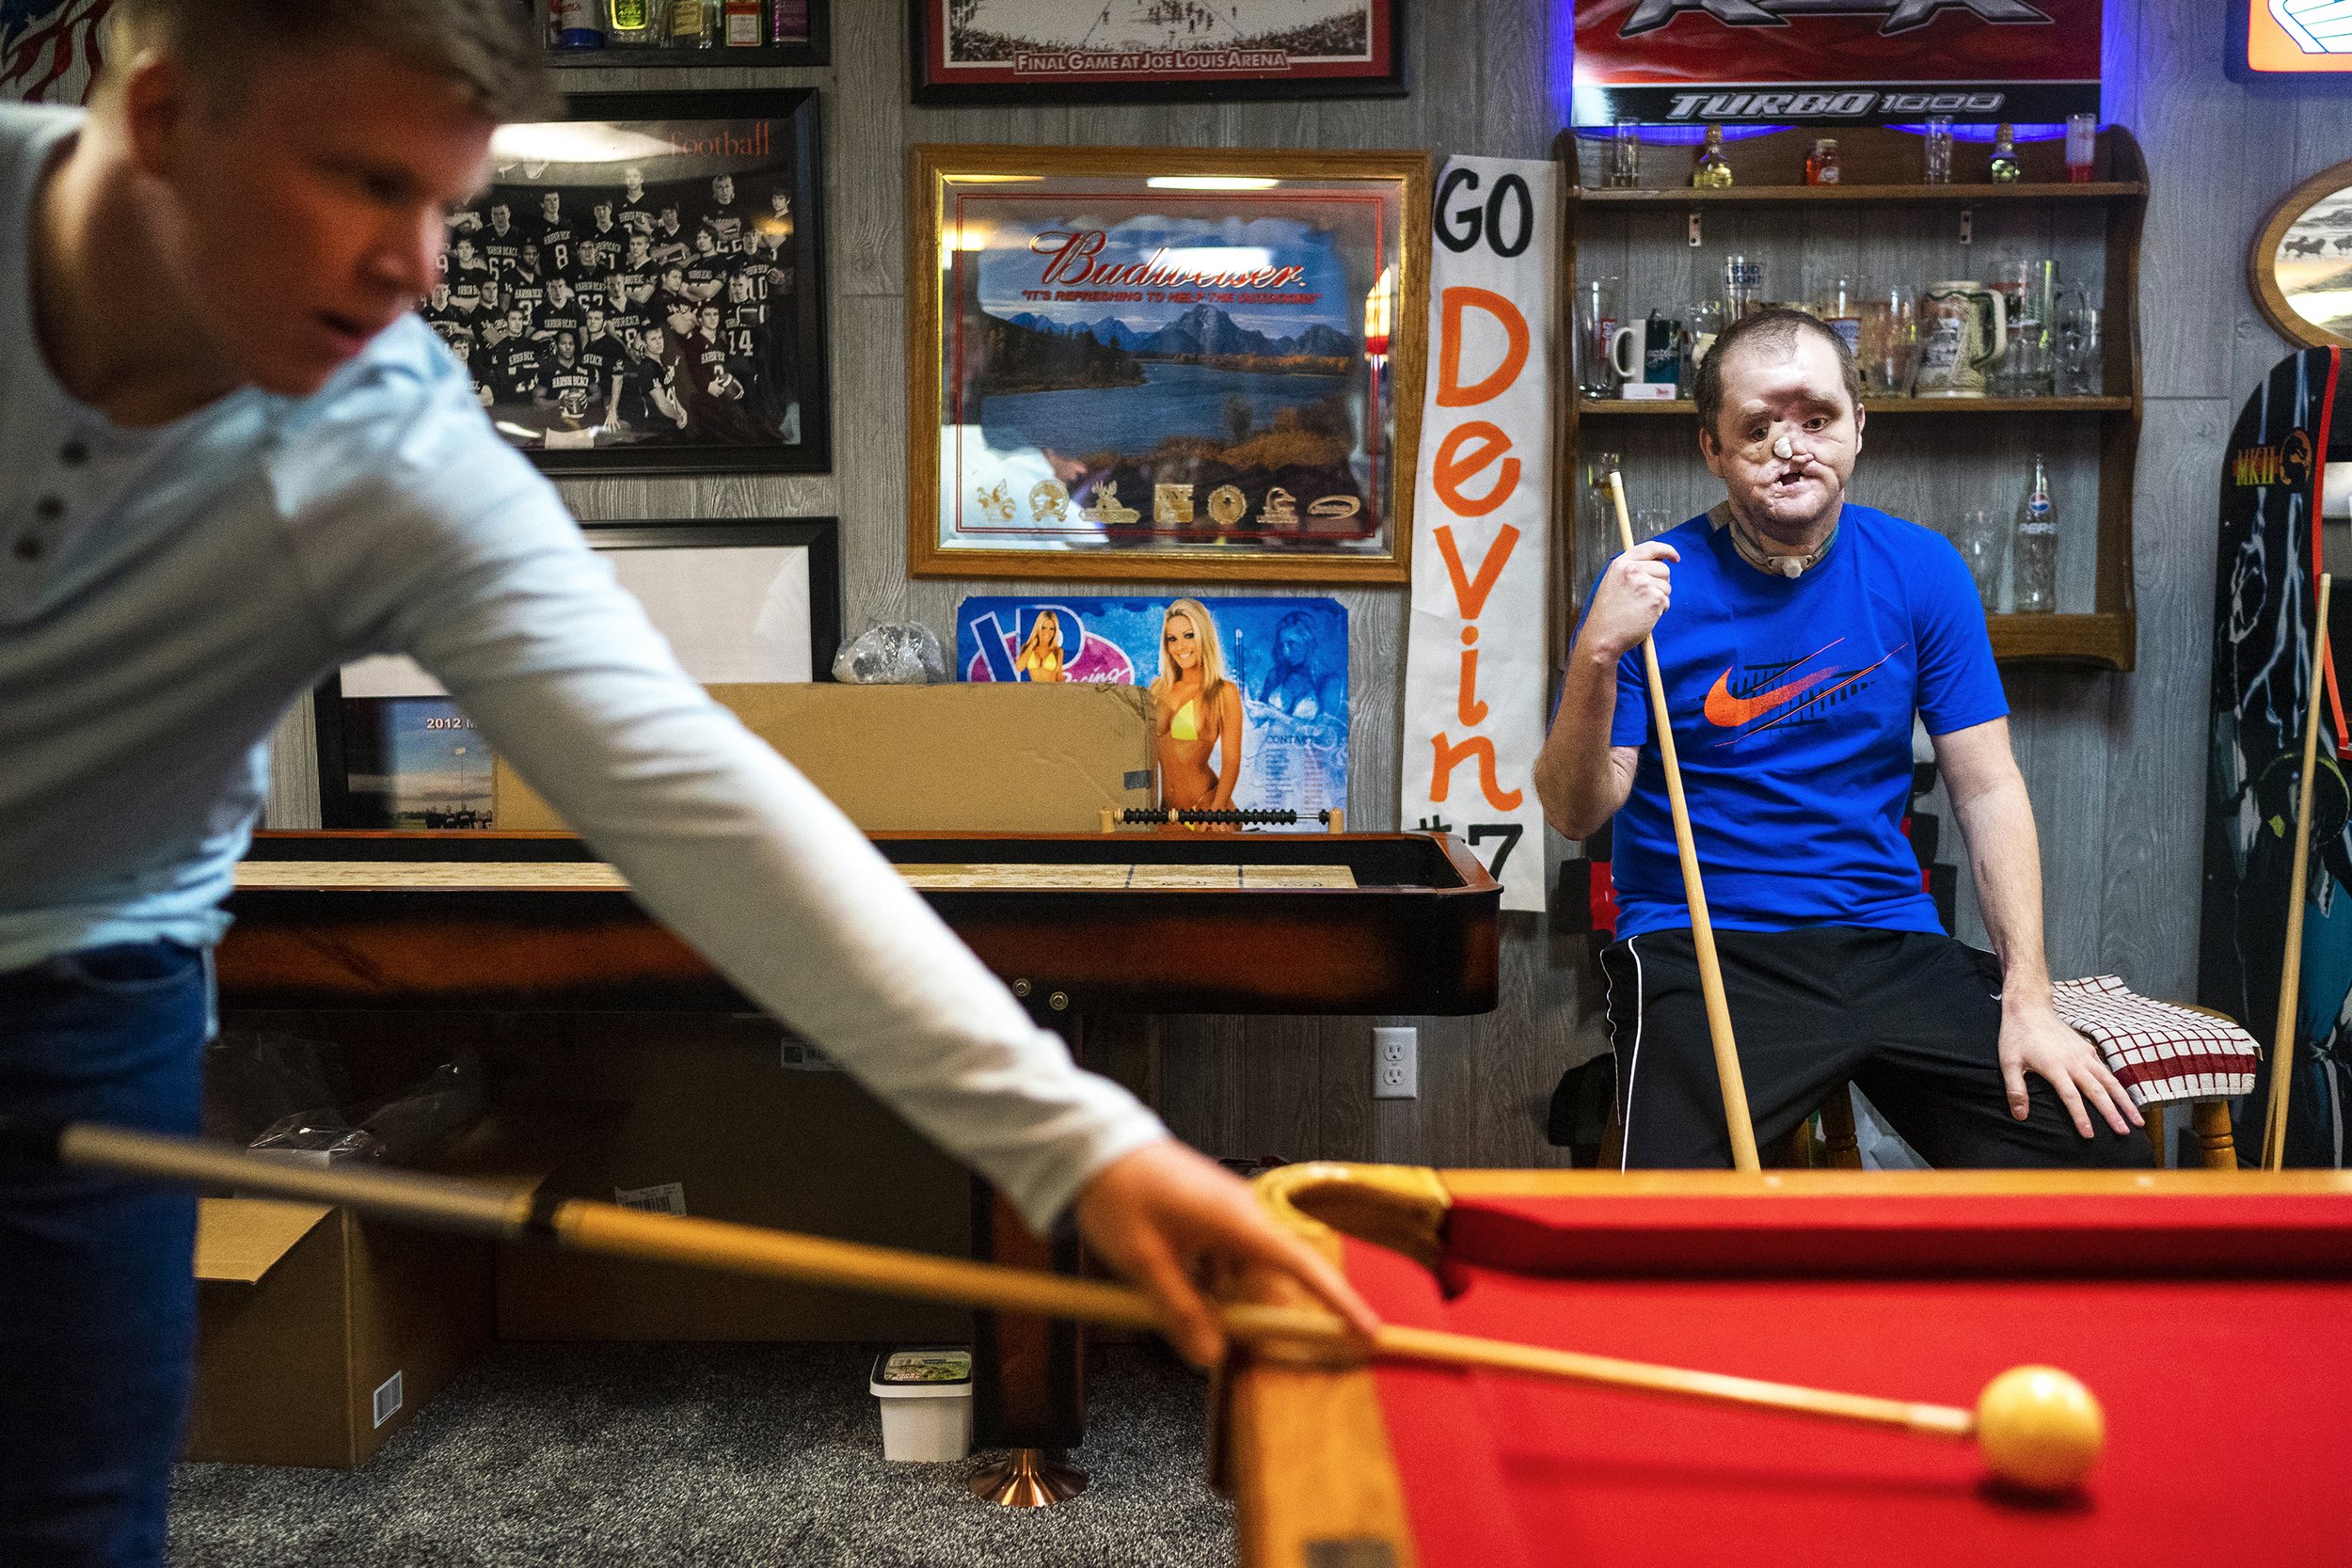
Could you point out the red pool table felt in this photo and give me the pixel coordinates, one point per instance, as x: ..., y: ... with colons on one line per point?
x: 2220, y: 1347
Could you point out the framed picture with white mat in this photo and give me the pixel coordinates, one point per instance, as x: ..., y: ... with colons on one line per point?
x: 738, y: 601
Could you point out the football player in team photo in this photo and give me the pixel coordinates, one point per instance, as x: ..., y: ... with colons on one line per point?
x: 628, y: 314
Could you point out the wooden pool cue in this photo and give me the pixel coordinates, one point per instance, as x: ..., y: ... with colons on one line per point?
x: 442, y: 1203
x: 1702, y: 930
x: 2291, y: 965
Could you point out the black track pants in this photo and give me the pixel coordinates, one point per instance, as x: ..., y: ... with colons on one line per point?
x: 1912, y: 1019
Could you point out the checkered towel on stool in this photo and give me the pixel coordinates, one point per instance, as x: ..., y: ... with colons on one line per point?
x: 2157, y: 1050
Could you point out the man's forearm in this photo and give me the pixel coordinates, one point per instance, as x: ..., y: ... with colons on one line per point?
x: 2004, y: 854
x: 1574, y: 778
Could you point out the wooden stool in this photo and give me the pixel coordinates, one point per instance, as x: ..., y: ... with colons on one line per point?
x: 2216, y: 1143
x: 2216, y: 1146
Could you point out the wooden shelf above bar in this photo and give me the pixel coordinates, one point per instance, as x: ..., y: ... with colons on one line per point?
x: 1964, y: 194
x: 2102, y: 638
x: 1595, y: 407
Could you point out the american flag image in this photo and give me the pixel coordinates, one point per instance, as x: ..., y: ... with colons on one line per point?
x: 49, y: 49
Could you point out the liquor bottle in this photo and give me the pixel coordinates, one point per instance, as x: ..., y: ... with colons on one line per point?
x: 573, y: 24
x: 2006, y: 169
x: 1822, y: 166
x: 694, y: 24
x: 2033, y: 558
x: 744, y: 24
x: 791, y: 21
x: 1715, y: 170
x: 629, y: 21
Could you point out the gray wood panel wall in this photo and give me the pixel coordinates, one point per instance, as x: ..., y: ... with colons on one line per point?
x: 2114, y: 761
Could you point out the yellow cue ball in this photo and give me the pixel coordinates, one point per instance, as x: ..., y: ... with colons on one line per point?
x: 2040, y: 1428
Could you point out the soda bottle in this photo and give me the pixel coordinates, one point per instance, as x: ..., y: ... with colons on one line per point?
x: 2033, y: 559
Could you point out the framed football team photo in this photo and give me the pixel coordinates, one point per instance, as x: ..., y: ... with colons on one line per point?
x: 737, y: 602
x: 641, y: 289
x: 1154, y: 51
x: 1155, y: 363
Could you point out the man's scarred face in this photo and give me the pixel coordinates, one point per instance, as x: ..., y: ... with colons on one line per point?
x: 1798, y: 394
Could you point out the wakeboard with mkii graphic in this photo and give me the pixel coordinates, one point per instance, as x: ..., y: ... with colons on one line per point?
x: 2286, y: 516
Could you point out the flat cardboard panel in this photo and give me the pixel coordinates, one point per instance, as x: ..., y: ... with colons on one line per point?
x: 964, y: 757
x: 239, y: 1240
x: 748, y: 1141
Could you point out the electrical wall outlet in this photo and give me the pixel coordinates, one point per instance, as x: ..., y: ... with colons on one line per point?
x: 1396, y: 1063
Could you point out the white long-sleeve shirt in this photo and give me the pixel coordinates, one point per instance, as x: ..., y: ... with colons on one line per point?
x: 166, y: 594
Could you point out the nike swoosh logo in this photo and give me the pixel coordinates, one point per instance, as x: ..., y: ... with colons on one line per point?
x: 1727, y: 712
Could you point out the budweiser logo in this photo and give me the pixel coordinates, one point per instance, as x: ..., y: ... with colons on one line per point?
x: 1901, y: 15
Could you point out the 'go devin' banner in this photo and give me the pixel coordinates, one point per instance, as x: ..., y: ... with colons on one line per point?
x: 1865, y: 62
x: 1474, y: 664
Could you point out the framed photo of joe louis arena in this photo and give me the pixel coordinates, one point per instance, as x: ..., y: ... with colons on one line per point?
x: 1157, y: 363
x: 640, y: 288
x: 1154, y: 51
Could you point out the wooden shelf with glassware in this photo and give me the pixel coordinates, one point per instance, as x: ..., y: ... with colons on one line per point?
x: 1883, y: 166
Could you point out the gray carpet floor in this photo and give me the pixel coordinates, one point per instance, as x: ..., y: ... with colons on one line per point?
x: 730, y: 1456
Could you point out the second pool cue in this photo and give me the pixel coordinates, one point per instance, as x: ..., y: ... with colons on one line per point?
x: 474, y: 1207
x: 1702, y: 930
x: 2291, y: 966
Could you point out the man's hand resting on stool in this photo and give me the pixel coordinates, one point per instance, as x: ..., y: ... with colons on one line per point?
x: 2035, y: 1040
x: 1158, y: 1215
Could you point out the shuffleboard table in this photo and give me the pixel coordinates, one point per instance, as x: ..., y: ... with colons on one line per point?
x: 2206, y: 1312
x: 1078, y: 925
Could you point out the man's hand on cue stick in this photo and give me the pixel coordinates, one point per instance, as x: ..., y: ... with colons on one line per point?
x: 1163, y: 1213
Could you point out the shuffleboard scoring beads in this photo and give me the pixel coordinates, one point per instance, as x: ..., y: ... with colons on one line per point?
x: 1334, y: 819
x: 1165, y: 816
x: 1170, y: 816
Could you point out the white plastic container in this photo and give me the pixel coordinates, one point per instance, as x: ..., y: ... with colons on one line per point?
x: 926, y: 1398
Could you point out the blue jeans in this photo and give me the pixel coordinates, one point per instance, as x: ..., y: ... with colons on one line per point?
x: 97, y: 1293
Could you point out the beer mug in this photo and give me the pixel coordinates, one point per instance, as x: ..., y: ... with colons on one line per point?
x: 2029, y: 362
x: 1962, y: 329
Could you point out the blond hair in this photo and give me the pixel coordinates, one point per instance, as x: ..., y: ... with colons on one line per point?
x: 488, y: 48
x: 1204, y: 631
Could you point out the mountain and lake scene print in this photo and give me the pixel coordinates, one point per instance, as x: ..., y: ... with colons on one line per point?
x: 1138, y: 375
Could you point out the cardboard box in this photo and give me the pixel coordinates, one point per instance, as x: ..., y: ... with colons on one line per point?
x: 320, y: 1334
x: 977, y: 757
x: 703, y: 1116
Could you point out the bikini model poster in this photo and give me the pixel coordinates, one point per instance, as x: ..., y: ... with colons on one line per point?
x: 1249, y: 695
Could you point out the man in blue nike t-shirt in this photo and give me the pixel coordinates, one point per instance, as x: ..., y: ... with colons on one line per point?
x: 1806, y: 634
